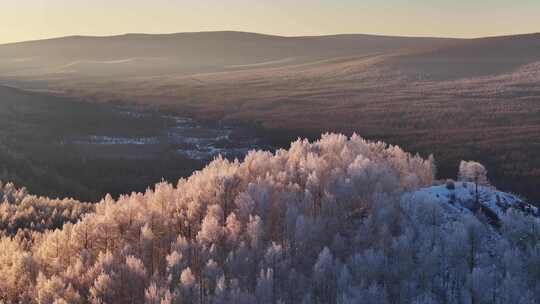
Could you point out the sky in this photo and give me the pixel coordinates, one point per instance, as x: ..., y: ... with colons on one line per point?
x: 22, y: 20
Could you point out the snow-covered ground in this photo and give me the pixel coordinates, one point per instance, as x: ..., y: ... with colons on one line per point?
x: 462, y: 197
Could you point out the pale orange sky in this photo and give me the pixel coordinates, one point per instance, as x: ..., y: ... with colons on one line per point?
x: 36, y: 19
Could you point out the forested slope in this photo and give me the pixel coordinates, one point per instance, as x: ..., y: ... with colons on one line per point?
x: 339, y: 220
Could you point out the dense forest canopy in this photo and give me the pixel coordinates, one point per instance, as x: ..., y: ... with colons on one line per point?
x: 339, y: 220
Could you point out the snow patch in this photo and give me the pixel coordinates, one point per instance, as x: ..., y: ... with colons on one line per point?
x: 463, y: 197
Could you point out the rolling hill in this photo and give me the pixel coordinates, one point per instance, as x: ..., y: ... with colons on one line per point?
x: 458, y: 98
x: 190, y: 52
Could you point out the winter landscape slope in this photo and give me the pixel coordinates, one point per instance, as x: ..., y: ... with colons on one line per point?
x: 463, y: 197
x: 339, y: 220
x: 464, y: 98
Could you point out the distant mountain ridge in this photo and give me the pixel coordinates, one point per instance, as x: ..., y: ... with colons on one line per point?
x: 157, y: 54
x: 193, y: 52
x: 224, y: 34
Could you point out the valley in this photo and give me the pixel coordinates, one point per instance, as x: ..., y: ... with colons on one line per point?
x: 473, y: 99
x: 61, y: 147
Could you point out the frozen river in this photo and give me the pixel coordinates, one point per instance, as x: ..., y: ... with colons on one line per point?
x: 182, y: 135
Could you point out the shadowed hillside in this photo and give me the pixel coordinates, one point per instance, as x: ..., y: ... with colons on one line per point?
x: 475, y: 57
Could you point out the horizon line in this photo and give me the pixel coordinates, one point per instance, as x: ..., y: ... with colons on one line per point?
x: 267, y: 34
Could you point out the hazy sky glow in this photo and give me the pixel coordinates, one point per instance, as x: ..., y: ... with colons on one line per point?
x: 34, y: 19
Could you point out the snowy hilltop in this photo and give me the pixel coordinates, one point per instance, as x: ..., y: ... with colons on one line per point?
x: 339, y: 220
x: 468, y: 197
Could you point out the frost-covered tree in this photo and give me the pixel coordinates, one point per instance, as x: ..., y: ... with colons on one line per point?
x: 470, y: 171
x: 474, y: 172
x: 331, y: 221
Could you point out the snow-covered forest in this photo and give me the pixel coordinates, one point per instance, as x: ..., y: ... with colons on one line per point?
x: 340, y: 220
